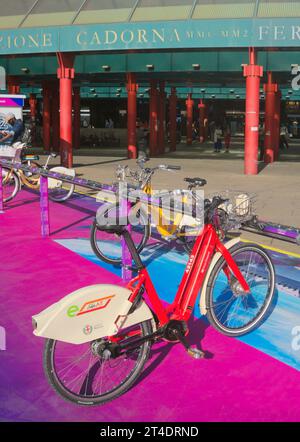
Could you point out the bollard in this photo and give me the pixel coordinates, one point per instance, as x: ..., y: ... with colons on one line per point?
x: 126, y: 257
x: 44, y: 205
x: 1, y: 191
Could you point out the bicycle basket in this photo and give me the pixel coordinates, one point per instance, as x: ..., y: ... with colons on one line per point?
x: 11, y: 152
x: 238, y: 209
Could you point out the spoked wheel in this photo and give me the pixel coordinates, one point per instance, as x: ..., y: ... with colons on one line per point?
x: 229, y: 309
x: 90, y: 374
x: 108, y: 247
x: 10, y: 183
x: 31, y: 179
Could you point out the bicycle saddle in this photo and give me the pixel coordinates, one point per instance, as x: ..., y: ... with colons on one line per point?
x: 110, y: 225
x: 196, y: 181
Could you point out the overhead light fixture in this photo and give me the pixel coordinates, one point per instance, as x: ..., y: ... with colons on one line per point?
x: 150, y: 67
x: 213, y: 96
x: 25, y: 70
x: 237, y: 96
x: 196, y: 66
x: 231, y: 91
x: 106, y: 68
x: 92, y: 90
x: 290, y: 92
x: 119, y: 89
x: 287, y: 97
x: 147, y: 90
x: 118, y: 95
x: 141, y: 95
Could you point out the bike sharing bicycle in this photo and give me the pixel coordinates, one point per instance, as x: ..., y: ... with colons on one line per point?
x: 99, y: 337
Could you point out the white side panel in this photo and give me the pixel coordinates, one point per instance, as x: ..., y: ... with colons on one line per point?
x: 89, y: 313
x: 217, y: 255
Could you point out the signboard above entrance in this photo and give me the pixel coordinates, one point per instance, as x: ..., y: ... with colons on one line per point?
x: 158, y: 35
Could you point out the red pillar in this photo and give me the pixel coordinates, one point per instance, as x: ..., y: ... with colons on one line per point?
x: 46, y: 117
x: 13, y: 85
x: 33, y: 112
x: 55, y: 116
x: 172, y: 119
x: 189, y: 119
x: 132, y: 88
x: 153, y: 124
x: 76, y: 125
x: 65, y: 74
x: 253, y: 73
x: 270, y: 94
x: 162, y: 118
x: 202, y: 111
x: 277, y: 117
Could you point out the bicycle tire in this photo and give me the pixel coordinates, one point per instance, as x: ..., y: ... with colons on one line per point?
x: 99, y: 253
x: 49, y: 367
x: 16, y: 187
x: 64, y: 198
x: 263, y: 312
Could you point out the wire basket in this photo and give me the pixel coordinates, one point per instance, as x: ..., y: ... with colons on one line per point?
x: 237, y: 210
x: 11, y: 152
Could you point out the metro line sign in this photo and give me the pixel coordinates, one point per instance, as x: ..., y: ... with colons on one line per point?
x: 153, y: 35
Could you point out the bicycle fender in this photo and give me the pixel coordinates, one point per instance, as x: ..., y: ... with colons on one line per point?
x: 53, y: 183
x: 202, y: 304
x: 89, y: 313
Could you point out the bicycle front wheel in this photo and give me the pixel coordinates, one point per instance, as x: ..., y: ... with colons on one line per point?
x: 229, y: 309
x: 10, y: 184
x: 89, y: 374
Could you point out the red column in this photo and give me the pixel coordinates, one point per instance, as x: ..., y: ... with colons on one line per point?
x: 253, y: 73
x: 55, y: 116
x: 172, y: 119
x: 202, y: 111
x: 132, y: 88
x: 162, y: 118
x: 270, y: 94
x: 13, y: 85
x: 189, y: 119
x: 46, y: 117
x: 153, y: 123
x: 277, y: 117
x: 33, y: 112
x: 76, y: 125
x: 65, y: 74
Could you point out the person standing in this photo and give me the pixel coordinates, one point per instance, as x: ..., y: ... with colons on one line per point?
x: 218, y: 139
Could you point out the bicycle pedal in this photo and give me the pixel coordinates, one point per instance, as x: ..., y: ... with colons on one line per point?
x: 195, y: 353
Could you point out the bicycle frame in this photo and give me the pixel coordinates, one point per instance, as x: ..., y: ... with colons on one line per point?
x: 195, y: 272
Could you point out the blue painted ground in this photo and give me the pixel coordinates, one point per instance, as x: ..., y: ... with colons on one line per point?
x: 274, y: 337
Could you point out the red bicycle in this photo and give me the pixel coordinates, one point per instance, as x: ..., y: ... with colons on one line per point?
x: 114, y: 327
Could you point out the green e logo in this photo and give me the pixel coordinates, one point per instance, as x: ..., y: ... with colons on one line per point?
x: 72, y: 311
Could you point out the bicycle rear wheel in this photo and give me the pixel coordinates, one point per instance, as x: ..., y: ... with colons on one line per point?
x: 108, y: 247
x: 10, y: 183
x: 230, y: 310
x: 89, y: 374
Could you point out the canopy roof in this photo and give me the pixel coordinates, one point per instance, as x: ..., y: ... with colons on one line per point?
x: 41, y: 13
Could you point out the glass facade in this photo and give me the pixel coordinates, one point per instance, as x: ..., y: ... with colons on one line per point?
x: 214, y: 9
x: 278, y: 8
x: 41, y: 13
x: 151, y: 10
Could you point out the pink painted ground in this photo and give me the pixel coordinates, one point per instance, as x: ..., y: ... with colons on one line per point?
x: 237, y: 382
